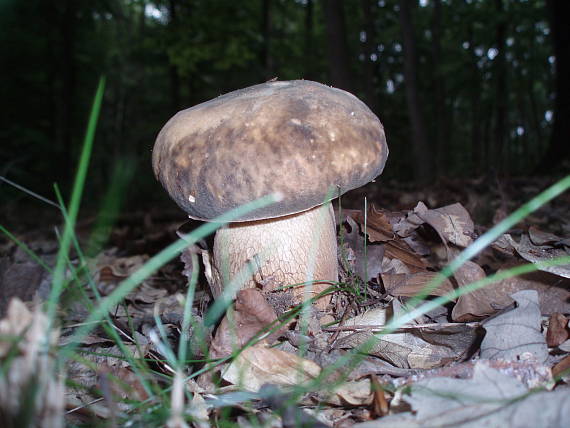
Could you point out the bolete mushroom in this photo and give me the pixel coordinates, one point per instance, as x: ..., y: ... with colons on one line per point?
x: 305, y: 140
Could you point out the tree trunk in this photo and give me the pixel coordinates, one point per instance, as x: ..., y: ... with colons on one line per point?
x: 501, y: 95
x: 439, y: 109
x: 479, y: 146
x: 172, y: 69
x: 337, y: 48
x: 369, y: 49
x: 308, y: 52
x: 69, y: 71
x: 266, y: 30
x: 559, y: 148
x: 422, y: 155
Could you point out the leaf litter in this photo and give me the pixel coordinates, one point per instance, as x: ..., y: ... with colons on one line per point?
x: 499, y: 355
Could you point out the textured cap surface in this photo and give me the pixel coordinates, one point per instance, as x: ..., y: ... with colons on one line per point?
x: 298, y: 137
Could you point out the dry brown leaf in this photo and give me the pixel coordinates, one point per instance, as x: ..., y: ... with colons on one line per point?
x: 394, y: 266
x: 541, y: 253
x: 378, y: 225
x: 351, y: 393
x: 124, y: 383
x: 562, y: 368
x: 408, y: 285
x: 146, y: 293
x: 539, y: 237
x: 21, y: 279
x: 367, y: 261
x: 114, y: 269
x: 380, y: 403
x: 373, y: 317
x: 553, y: 291
x: 400, y: 250
x: 452, y: 222
x: 251, y: 315
x: 258, y: 365
x: 558, y: 330
x: 516, y: 334
x: 418, y: 347
x: 379, y: 229
x: 199, y: 411
x: 467, y: 307
x: 469, y: 272
x: 405, y: 226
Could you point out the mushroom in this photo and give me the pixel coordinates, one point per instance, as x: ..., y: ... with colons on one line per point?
x: 305, y: 140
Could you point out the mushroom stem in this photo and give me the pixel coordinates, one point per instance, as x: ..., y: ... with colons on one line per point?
x: 286, y: 250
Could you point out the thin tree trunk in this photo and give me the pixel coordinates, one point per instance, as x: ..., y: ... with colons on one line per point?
x: 422, y: 154
x: 501, y: 94
x: 68, y: 28
x: 337, y: 47
x: 266, y: 30
x: 478, y: 146
x: 559, y: 148
x: 519, y: 148
x: 309, y: 53
x: 369, y: 49
x: 488, y: 119
x: 439, y: 110
x: 172, y: 69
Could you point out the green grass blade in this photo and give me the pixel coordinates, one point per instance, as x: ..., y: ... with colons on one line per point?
x: 122, y: 175
x: 25, y: 249
x: 187, y: 315
x: 58, y: 281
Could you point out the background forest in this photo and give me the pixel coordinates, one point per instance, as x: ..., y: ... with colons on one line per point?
x: 464, y: 87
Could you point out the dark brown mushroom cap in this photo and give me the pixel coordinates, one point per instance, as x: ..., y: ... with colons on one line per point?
x: 300, y: 138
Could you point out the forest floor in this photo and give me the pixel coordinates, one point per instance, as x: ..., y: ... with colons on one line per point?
x: 499, y: 355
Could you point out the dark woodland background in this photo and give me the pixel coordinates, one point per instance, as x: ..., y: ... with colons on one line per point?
x: 464, y: 88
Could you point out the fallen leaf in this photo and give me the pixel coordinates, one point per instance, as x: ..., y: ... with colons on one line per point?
x: 539, y: 237
x: 351, y: 393
x: 558, y: 330
x: 417, y: 347
x: 116, y: 269
x: 380, y: 405
x: 562, y: 369
x: 541, y: 253
x: 199, y: 411
x: 284, y: 404
x: 124, y: 383
x: 489, y: 399
x: 368, y: 258
x: 515, y: 334
x: 373, y: 317
x: 21, y: 279
x: 251, y: 315
x: 408, y: 285
x: 258, y: 365
x: 452, y: 222
x: 399, y: 250
x: 380, y: 230
x: 405, y: 226
x: 553, y: 292
x: 377, y: 224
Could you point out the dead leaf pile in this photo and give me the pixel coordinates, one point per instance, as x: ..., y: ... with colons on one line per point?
x: 498, y: 356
